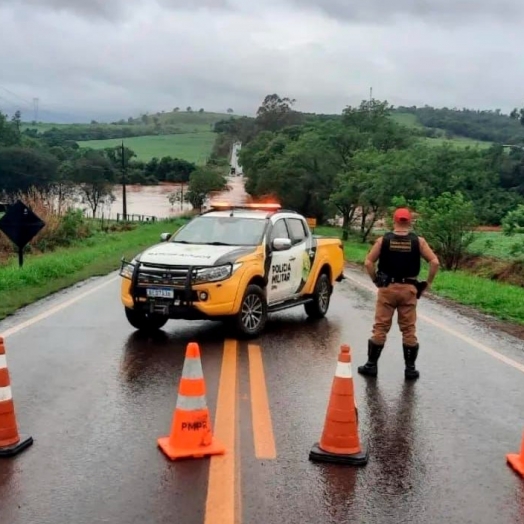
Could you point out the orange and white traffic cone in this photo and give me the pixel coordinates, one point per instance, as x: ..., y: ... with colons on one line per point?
x: 517, y: 461
x: 340, y: 442
x: 191, y: 432
x: 11, y: 443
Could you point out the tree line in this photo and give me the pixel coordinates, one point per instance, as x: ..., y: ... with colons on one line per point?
x: 355, y: 165
x: 489, y: 126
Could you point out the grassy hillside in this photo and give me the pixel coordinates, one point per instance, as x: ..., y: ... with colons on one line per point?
x: 193, y: 147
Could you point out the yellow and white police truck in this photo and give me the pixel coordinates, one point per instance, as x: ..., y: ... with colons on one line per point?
x: 234, y: 264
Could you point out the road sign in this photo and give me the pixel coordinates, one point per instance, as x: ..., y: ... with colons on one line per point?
x: 311, y: 222
x: 20, y: 225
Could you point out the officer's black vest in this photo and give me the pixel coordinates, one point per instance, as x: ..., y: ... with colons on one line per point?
x: 400, y: 255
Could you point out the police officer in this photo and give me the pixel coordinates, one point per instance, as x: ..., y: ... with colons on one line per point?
x: 398, y: 254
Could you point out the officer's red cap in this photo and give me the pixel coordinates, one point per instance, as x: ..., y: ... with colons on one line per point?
x: 402, y: 214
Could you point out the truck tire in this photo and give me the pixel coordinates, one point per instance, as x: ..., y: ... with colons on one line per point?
x: 146, y: 322
x: 319, y: 306
x: 251, y: 319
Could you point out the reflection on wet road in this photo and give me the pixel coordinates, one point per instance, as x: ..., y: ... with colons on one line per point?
x: 95, y: 396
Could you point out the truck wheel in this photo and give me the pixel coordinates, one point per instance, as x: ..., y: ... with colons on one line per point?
x: 145, y: 321
x: 251, y: 320
x: 319, y: 306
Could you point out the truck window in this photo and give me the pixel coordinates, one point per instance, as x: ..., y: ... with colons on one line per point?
x: 279, y: 230
x: 297, y: 229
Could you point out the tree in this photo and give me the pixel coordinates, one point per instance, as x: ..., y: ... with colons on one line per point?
x: 230, y: 111
x: 189, y: 109
x: 23, y: 168
x: 201, y: 110
x: 95, y: 176
x: 447, y: 222
x: 202, y: 182
x: 276, y: 113
x: 9, y: 135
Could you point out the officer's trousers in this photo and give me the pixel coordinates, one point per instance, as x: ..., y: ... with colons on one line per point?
x: 403, y: 299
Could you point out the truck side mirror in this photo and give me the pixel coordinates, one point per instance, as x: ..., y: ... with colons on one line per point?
x: 164, y: 237
x: 281, y: 244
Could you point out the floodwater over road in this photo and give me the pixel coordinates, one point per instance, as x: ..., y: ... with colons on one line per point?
x: 95, y: 396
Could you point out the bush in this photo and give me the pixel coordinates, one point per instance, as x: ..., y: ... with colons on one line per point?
x: 446, y: 222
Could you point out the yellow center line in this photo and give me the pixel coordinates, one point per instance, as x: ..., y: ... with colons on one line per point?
x: 451, y: 331
x: 220, y: 504
x: 262, y: 426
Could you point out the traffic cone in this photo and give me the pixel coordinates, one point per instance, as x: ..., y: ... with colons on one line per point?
x: 517, y: 461
x: 191, y: 432
x: 11, y: 443
x: 340, y: 442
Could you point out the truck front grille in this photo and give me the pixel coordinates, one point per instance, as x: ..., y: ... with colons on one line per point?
x: 175, y: 276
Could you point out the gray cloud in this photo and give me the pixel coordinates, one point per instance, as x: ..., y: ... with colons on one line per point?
x: 83, y: 58
x: 112, y: 9
x: 381, y: 11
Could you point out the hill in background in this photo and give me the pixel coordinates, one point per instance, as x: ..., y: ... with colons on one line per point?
x: 190, y: 134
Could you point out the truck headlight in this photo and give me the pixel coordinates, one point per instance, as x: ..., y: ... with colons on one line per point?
x: 215, y: 274
x: 126, y: 270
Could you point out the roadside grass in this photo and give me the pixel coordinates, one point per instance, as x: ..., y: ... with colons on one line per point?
x: 48, y: 273
x: 193, y: 147
x: 501, y: 300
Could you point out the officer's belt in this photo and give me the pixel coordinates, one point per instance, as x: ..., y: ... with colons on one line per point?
x: 412, y: 281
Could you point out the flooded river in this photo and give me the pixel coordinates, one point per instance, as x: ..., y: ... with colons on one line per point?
x: 154, y: 201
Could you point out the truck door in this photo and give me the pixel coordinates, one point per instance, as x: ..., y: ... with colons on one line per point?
x: 280, y: 280
x: 299, y: 257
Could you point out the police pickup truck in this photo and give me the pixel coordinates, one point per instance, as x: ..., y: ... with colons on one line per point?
x: 234, y: 264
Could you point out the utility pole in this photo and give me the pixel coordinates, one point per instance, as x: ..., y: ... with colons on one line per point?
x: 124, y: 195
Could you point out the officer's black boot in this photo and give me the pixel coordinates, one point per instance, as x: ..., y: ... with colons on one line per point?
x: 370, y: 367
x: 410, y: 356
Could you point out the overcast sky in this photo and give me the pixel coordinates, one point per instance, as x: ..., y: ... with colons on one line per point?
x: 117, y: 58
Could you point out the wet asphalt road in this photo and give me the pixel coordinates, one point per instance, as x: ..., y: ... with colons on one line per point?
x: 95, y: 396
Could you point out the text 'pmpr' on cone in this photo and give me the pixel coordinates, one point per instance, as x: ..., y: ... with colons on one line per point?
x: 191, y: 431
x: 517, y: 461
x: 340, y: 442
x: 11, y: 443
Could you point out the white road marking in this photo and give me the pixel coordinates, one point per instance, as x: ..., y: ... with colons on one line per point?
x: 465, y: 338
x: 31, y: 321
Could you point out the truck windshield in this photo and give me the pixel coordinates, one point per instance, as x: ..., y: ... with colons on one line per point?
x: 227, y: 231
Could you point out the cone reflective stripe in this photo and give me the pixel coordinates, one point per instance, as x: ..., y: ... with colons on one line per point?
x: 340, y: 442
x: 11, y: 442
x: 517, y: 461
x: 191, y: 431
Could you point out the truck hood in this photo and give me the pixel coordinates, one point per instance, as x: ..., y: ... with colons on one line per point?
x: 173, y: 254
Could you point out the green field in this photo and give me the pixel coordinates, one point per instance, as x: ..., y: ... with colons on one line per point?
x: 407, y: 119
x: 458, y: 142
x: 193, y: 147
x: 411, y: 120
x: 495, y: 244
x: 187, y: 122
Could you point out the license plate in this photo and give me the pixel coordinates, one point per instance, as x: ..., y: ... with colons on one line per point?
x: 160, y: 293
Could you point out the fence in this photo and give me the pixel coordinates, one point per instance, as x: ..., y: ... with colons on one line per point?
x: 135, y: 218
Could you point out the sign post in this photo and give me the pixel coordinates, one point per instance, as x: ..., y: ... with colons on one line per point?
x: 20, y: 225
